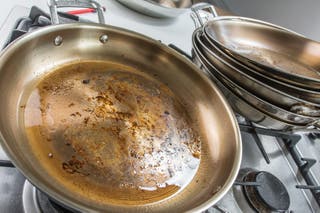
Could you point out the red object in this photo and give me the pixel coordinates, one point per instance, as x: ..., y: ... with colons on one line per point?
x: 84, y: 11
x: 81, y: 11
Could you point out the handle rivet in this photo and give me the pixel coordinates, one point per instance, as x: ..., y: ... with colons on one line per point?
x: 103, y: 39
x: 58, y: 41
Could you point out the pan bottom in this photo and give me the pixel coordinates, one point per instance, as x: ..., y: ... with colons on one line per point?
x: 110, y: 133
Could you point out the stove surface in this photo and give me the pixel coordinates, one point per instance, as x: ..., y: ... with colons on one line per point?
x: 281, y: 165
x: 11, y: 185
x: 18, y: 195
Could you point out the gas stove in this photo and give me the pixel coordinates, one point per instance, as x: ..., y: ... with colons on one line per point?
x: 280, y: 171
x: 277, y: 173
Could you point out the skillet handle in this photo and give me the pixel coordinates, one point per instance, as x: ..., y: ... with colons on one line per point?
x: 317, y: 125
x: 199, y: 14
x: 55, y: 4
x: 180, y: 51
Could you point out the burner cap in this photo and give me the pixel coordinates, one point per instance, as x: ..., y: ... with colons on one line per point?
x: 35, y: 201
x: 272, y: 191
x: 270, y: 195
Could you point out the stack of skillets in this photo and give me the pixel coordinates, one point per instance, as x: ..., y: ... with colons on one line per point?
x: 269, y: 74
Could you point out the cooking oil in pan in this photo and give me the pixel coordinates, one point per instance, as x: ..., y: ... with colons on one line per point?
x: 111, y: 133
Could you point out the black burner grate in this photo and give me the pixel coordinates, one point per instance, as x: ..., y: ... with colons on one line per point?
x: 290, y: 140
x: 37, y: 18
x: 47, y: 205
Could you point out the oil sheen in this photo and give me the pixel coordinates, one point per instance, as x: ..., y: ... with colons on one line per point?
x: 111, y: 133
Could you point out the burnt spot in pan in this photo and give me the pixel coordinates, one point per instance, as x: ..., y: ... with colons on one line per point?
x: 86, y: 81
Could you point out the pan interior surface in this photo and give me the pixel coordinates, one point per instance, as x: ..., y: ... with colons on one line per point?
x: 111, y: 132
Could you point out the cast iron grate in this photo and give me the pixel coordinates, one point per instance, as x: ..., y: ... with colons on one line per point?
x: 290, y: 140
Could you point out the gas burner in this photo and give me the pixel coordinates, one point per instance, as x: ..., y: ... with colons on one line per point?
x: 269, y: 195
x: 48, y: 205
x: 34, y: 201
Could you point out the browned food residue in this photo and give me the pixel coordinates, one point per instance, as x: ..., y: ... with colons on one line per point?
x: 116, y: 132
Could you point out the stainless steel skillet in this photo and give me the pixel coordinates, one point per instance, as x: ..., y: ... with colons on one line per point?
x: 293, y: 90
x: 281, y: 53
x: 238, y: 104
x: 260, y: 104
x: 34, y: 56
x: 265, y: 91
x: 277, y: 97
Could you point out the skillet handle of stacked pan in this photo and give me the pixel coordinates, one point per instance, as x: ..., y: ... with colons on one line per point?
x: 316, y: 125
x: 200, y: 18
x: 55, y: 4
